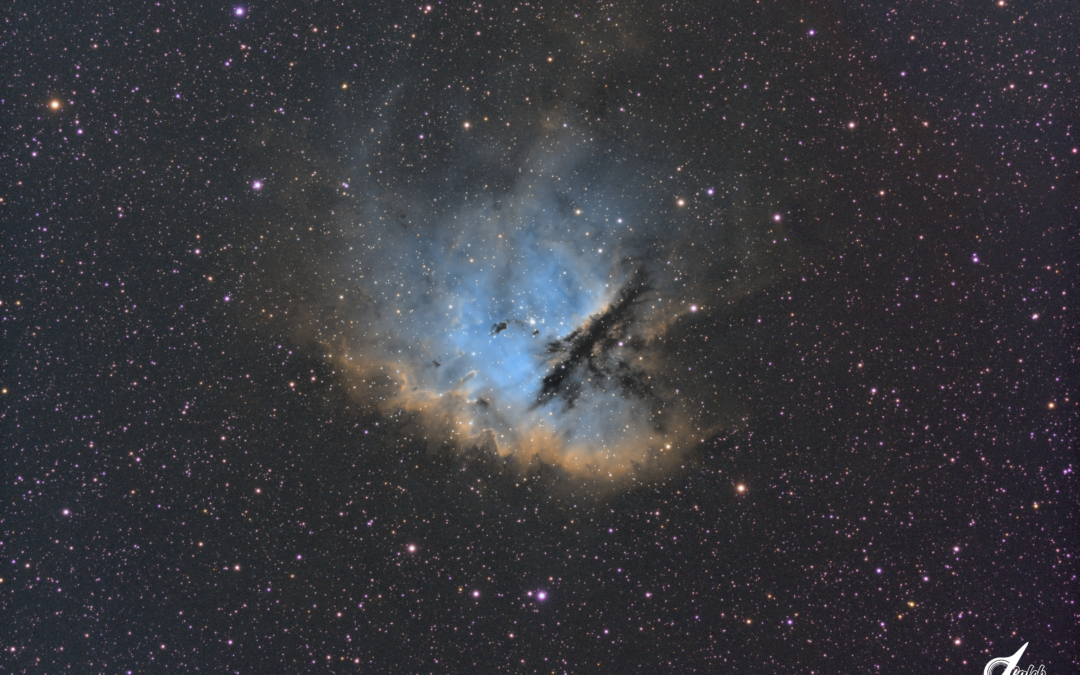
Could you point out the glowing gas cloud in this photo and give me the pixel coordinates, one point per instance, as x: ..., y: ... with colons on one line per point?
x: 528, y: 321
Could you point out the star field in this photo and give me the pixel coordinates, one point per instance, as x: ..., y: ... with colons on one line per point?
x: 288, y: 296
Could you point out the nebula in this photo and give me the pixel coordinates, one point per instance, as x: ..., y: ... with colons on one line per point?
x: 527, y: 322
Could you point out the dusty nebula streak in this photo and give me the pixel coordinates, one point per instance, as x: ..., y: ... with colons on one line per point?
x: 586, y: 352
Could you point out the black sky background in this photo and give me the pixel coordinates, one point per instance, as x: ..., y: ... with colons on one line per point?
x: 187, y: 486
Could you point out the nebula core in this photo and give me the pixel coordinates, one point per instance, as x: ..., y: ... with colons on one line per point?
x: 529, y: 321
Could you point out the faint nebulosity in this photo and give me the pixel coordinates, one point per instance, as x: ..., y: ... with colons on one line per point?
x: 538, y: 338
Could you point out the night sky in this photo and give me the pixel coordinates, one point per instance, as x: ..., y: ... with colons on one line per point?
x: 537, y: 337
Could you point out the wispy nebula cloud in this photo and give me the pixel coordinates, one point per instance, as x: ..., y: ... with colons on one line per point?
x: 527, y: 322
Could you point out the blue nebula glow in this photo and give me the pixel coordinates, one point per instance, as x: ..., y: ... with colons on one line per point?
x: 458, y: 308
